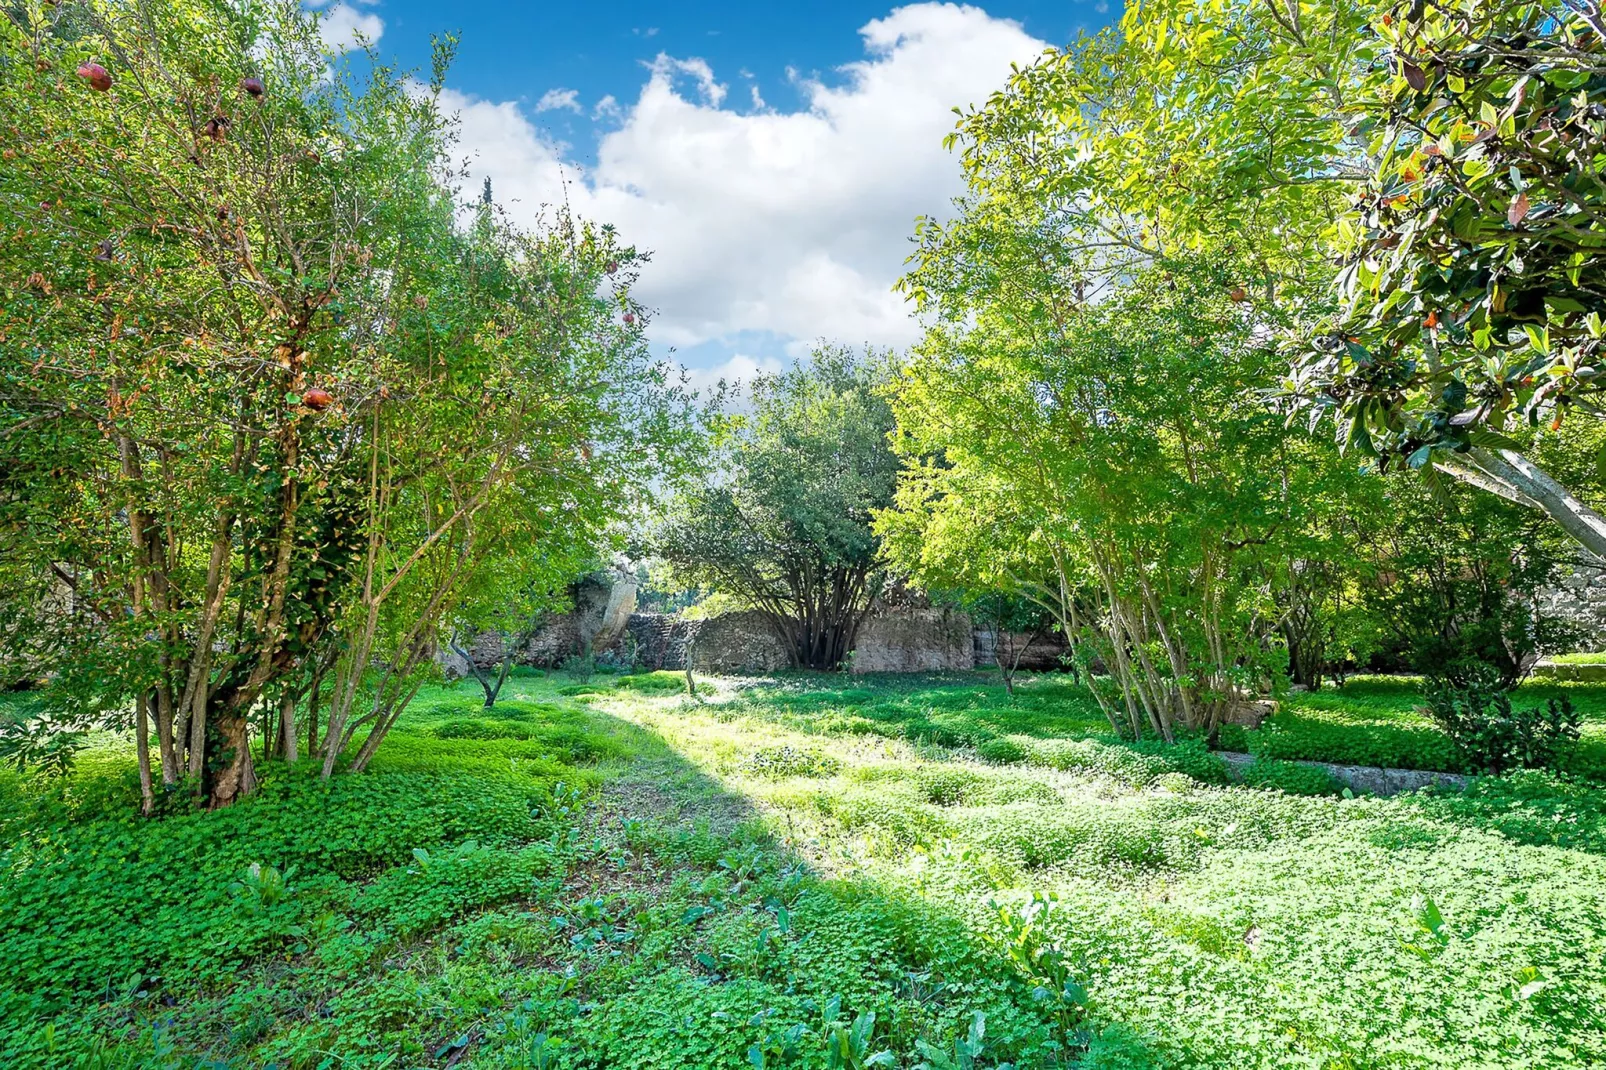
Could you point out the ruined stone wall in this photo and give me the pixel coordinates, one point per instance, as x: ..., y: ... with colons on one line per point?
x: 741, y: 644
x: 1042, y: 655
x: 905, y: 639
x: 892, y: 639
x: 602, y: 607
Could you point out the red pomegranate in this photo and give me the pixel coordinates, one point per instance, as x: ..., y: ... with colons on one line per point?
x: 1239, y: 294
x: 630, y: 318
x: 252, y: 87
x: 317, y: 400
x: 97, y: 77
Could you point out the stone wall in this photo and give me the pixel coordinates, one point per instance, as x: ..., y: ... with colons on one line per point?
x: 740, y: 644
x: 1041, y: 655
x: 905, y: 639
x: 1580, y: 598
x: 602, y: 607
x: 894, y: 639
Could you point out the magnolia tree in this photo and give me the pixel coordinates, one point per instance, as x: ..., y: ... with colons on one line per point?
x: 1475, y: 251
x: 280, y: 401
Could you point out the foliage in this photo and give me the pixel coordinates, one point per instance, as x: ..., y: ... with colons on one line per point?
x: 1453, y: 581
x: 1493, y: 736
x: 1135, y: 467
x: 479, y: 911
x: 307, y: 410
x: 784, y: 522
x: 787, y: 761
x: 1293, y: 778
x: 1471, y: 252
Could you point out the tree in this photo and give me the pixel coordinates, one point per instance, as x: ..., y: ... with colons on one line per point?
x: 1453, y: 584
x: 1125, y: 453
x: 784, y: 523
x: 1473, y: 255
x: 279, y: 405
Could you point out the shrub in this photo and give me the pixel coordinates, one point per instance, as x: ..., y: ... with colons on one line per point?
x: 1492, y: 736
x: 1002, y: 751
x: 1295, y: 778
x: 473, y: 729
x: 661, y: 682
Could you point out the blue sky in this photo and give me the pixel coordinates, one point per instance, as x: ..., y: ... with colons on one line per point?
x: 773, y: 157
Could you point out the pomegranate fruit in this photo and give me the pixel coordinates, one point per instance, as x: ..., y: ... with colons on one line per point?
x: 252, y: 87
x: 317, y: 400
x: 97, y: 76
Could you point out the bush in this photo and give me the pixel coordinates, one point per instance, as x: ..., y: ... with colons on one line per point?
x: 1492, y: 736
x: 1294, y: 778
x: 1002, y: 751
x: 474, y: 729
x: 661, y: 682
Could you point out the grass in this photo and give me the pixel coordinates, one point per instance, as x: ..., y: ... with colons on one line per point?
x: 623, y: 877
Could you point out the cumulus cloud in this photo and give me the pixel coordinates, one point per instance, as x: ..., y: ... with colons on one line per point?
x: 344, y: 26
x: 559, y: 100
x: 791, y: 223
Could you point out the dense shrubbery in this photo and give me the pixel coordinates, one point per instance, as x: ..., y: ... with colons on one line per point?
x: 1493, y: 736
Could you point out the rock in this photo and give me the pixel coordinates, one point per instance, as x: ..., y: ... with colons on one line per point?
x: 1364, y: 779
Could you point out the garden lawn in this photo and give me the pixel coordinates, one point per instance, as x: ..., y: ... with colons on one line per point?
x: 606, y: 874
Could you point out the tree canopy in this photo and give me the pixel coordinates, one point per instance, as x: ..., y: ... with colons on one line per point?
x: 783, y: 522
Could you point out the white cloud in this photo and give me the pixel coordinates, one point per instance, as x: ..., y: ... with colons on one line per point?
x: 559, y: 100
x: 343, y: 27
x: 737, y: 373
x: 794, y: 224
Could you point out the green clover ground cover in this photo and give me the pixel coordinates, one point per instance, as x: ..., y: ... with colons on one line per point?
x: 628, y: 878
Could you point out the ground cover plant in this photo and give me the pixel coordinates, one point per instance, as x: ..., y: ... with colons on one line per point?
x: 631, y: 877
x: 1261, y: 349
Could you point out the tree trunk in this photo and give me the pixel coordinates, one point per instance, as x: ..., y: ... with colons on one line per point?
x: 287, y: 726
x: 142, y: 744
x: 1516, y: 478
x: 234, y: 776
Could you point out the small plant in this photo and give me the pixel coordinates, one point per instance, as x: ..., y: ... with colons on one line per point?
x: 580, y: 667
x: 1494, y: 737
x: 967, y: 1052
x: 1001, y: 751
x: 262, y: 888
x: 1040, y: 963
x: 847, y: 1047
x: 779, y: 1046
x: 1430, y: 935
